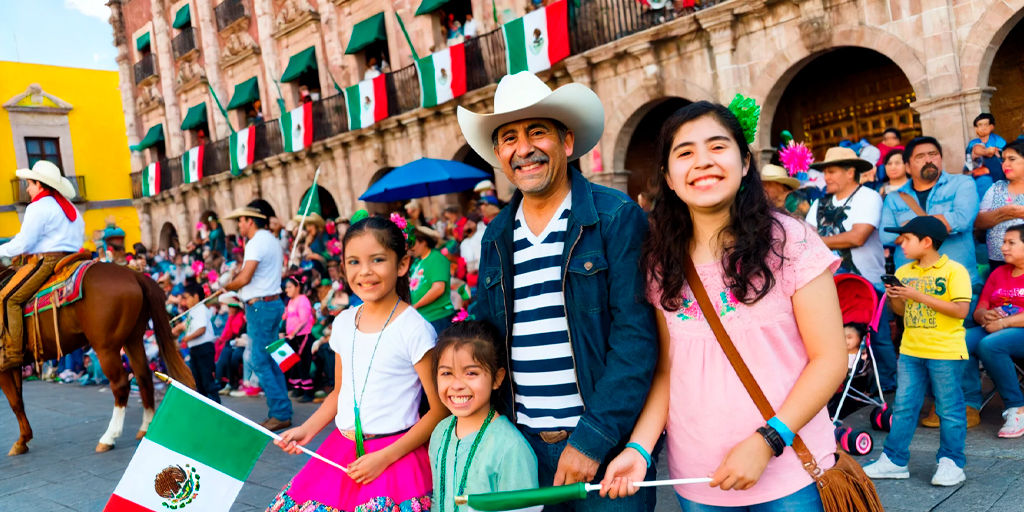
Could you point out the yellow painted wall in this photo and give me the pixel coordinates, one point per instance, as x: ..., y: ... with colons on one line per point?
x: 97, y: 138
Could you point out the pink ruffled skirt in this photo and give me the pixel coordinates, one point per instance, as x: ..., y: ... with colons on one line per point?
x: 404, y: 486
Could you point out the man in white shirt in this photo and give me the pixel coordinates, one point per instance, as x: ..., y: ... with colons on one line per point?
x: 259, y: 286
x: 470, y: 28
x: 52, y: 229
x: 469, y: 249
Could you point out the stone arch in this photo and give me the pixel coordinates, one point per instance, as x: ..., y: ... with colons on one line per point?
x: 636, y: 143
x: 774, y: 78
x: 168, y: 237
x: 984, y: 40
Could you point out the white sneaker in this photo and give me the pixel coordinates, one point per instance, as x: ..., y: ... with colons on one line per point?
x: 1014, y: 426
x: 948, y: 473
x: 885, y: 468
x: 224, y: 390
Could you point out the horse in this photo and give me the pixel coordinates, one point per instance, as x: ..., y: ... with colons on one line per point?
x: 114, y: 312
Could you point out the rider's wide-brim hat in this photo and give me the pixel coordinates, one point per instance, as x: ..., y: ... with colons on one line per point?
x: 245, y: 211
x: 48, y: 173
x: 842, y: 157
x: 524, y: 96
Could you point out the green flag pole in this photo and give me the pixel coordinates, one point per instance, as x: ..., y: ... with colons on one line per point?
x: 512, y: 500
x: 406, y: 34
x: 336, y: 86
x: 305, y: 212
x: 494, y: 10
x: 221, y: 107
x: 280, y: 97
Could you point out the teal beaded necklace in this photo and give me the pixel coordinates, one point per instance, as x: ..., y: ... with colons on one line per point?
x: 360, y: 449
x: 469, y: 459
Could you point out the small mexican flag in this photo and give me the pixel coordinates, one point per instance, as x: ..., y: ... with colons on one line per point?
x: 283, y: 354
x: 195, y: 457
x: 442, y: 76
x: 537, y: 40
x: 242, y: 144
x: 151, y: 180
x: 367, y: 103
x: 192, y: 164
x: 297, y: 128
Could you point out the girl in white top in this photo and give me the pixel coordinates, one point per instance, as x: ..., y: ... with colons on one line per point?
x: 384, y: 350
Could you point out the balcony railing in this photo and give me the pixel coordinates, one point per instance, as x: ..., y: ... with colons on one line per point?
x: 145, y: 68
x: 228, y: 12
x: 184, y: 42
x: 21, y: 195
x: 591, y: 24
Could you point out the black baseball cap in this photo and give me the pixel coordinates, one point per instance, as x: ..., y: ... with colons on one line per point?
x: 924, y: 226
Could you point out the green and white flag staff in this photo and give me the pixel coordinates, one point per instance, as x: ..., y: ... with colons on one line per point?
x: 513, y: 500
x: 305, y: 212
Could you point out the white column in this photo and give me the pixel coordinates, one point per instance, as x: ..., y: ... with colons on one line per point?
x: 125, y: 82
x: 264, y: 13
x: 211, y: 54
x: 165, y: 60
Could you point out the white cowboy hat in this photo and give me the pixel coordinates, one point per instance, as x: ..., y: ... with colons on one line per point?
x: 45, y: 172
x: 245, y: 211
x: 524, y: 96
x: 484, y: 185
x: 779, y: 175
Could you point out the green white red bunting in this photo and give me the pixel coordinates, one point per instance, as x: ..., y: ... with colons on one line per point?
x: 283, y: 354
x: 151, y: 180
x: 241, y: 145
x: 195, y: 457
x: 536, y: 41
x: 297, y: 128
x: 442, y: 76
x: 192, y: 165
x: 367, y: 103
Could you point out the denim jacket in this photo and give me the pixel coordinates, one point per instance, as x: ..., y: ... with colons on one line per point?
x: 956, y: 198
x: 611, y: 325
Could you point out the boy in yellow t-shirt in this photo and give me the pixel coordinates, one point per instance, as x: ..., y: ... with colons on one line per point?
x: 934, y: 299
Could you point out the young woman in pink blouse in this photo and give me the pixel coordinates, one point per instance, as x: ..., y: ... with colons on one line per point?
x: 298, y: 319
x: 770, y: 279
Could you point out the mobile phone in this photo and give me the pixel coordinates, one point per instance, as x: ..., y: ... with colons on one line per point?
x: 892, y: 280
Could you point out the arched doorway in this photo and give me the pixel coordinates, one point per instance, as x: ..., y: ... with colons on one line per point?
x: 168, y: 237
x: 328, y: 208
x: 466, y: 155
x: 1007, y: 75
x: 382, y: 208
x: 643, y: 130
x: 847, y: 93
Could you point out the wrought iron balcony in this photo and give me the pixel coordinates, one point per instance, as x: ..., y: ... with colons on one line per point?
x: 21, y: 195
x: 145, y: 68
x: 228, y: 12
x: 184, y: 42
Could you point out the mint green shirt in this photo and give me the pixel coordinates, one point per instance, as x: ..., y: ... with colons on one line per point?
x: 504, y: 461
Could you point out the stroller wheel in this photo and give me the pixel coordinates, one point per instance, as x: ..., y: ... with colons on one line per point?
x: 844, y: 439
x: 862, y: 443
x: 842, y: 433
x: 887, y: 419
x: 876, y: 418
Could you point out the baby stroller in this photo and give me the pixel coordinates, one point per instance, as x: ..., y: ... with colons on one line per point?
x: 860, y: 304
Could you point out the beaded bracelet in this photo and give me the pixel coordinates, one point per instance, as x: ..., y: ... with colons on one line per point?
x: 643, y: 453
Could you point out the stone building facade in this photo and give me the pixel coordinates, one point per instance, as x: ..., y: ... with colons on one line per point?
x: 826, y: 70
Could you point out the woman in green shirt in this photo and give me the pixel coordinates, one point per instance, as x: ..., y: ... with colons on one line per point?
x: 430, y: 280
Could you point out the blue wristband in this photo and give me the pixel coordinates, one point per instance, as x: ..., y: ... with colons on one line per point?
x: 784, y: 431
x: 642, y: 451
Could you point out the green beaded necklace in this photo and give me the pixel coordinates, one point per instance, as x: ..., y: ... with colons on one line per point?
x: 469, y: 459
x: 360, y: 449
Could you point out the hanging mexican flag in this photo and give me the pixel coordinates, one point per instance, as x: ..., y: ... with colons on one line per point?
x: 310, y: 200
x: 367, y: 103
x: 241, y: 145
x: 283, y: 354
x: 297, y: 128
x: 192, y: 164
x: 442, y: 76
x: 151, y: 180
x: 536, y: 41
x: 195, y: 457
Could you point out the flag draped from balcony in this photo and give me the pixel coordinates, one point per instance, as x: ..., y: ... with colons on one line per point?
x: 536, y: 41
x: 442, y: 75
x: 367, y: 103
x: 192, y: 165
x: 241, y: 145
x: 297, y: 128
x: 151, y: 180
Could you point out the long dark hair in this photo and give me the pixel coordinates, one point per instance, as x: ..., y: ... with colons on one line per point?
x: 747, y: 240
x: 484, y: 341
x: 388, y: 235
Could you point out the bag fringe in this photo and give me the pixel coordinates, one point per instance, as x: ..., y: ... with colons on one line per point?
x: 846, y: 488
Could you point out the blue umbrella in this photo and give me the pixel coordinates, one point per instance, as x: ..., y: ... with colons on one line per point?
x: 422, y: 178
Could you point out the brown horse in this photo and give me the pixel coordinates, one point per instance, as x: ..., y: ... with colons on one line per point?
x: 114, y: 313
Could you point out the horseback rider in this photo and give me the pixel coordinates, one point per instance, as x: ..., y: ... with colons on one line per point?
x: 52, y: 229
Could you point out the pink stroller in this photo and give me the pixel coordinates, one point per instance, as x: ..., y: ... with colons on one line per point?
x: 860, y: 304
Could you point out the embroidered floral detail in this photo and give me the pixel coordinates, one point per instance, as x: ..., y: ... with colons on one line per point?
x: 690, y: 310
x: 729, y: 303
x: 284, y: 503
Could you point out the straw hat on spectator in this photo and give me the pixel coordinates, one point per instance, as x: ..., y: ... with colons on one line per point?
x: 312, y: 218
x: 230, y: 299
x: 779, y: 175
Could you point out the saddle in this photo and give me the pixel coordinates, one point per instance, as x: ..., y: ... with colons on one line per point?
x: 62, y: 288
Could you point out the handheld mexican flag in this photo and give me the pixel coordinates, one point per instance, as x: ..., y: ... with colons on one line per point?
x: 283, y: 354
x: 442, y: 76
x: 195, y: 456
x: 151, y: 180
x: 297, y: 128
x: 192, y: 164
x: 537, y: 40
x: 241, y: 146
x: 367, y: 103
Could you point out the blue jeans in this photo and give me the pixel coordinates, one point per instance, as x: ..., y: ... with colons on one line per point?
x: 806, y: 499
x: 74, y: 361
x: 995, y: 351
x: 547, y: 463
x: 229, y: 366
x: 262, y: 320
x: 913, y: 375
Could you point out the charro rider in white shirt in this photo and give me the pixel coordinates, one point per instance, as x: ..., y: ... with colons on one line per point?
x: 52, y: 229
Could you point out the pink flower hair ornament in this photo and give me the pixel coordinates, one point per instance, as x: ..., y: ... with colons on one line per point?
x: 796, y: 158
x: 462, y: 316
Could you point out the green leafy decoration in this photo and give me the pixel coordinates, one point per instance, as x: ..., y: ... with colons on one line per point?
x: 748, y: 113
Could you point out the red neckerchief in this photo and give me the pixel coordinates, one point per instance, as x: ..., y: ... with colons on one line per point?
x: 69, y: 211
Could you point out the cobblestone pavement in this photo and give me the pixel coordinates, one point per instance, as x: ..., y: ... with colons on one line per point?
x: 62, y: 472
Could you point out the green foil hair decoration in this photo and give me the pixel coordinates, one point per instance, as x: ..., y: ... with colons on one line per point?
x: 358, y: 216
x: 748, y: 113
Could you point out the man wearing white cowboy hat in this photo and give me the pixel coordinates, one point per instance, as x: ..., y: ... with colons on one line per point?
x: 51, y: 229
x: 559, y: 276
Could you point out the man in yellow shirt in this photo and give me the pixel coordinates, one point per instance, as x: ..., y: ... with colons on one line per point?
x: 934, y: 298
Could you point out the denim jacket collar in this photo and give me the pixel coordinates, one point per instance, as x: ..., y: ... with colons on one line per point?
x: 908, y: 187
x: 582, y: 210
